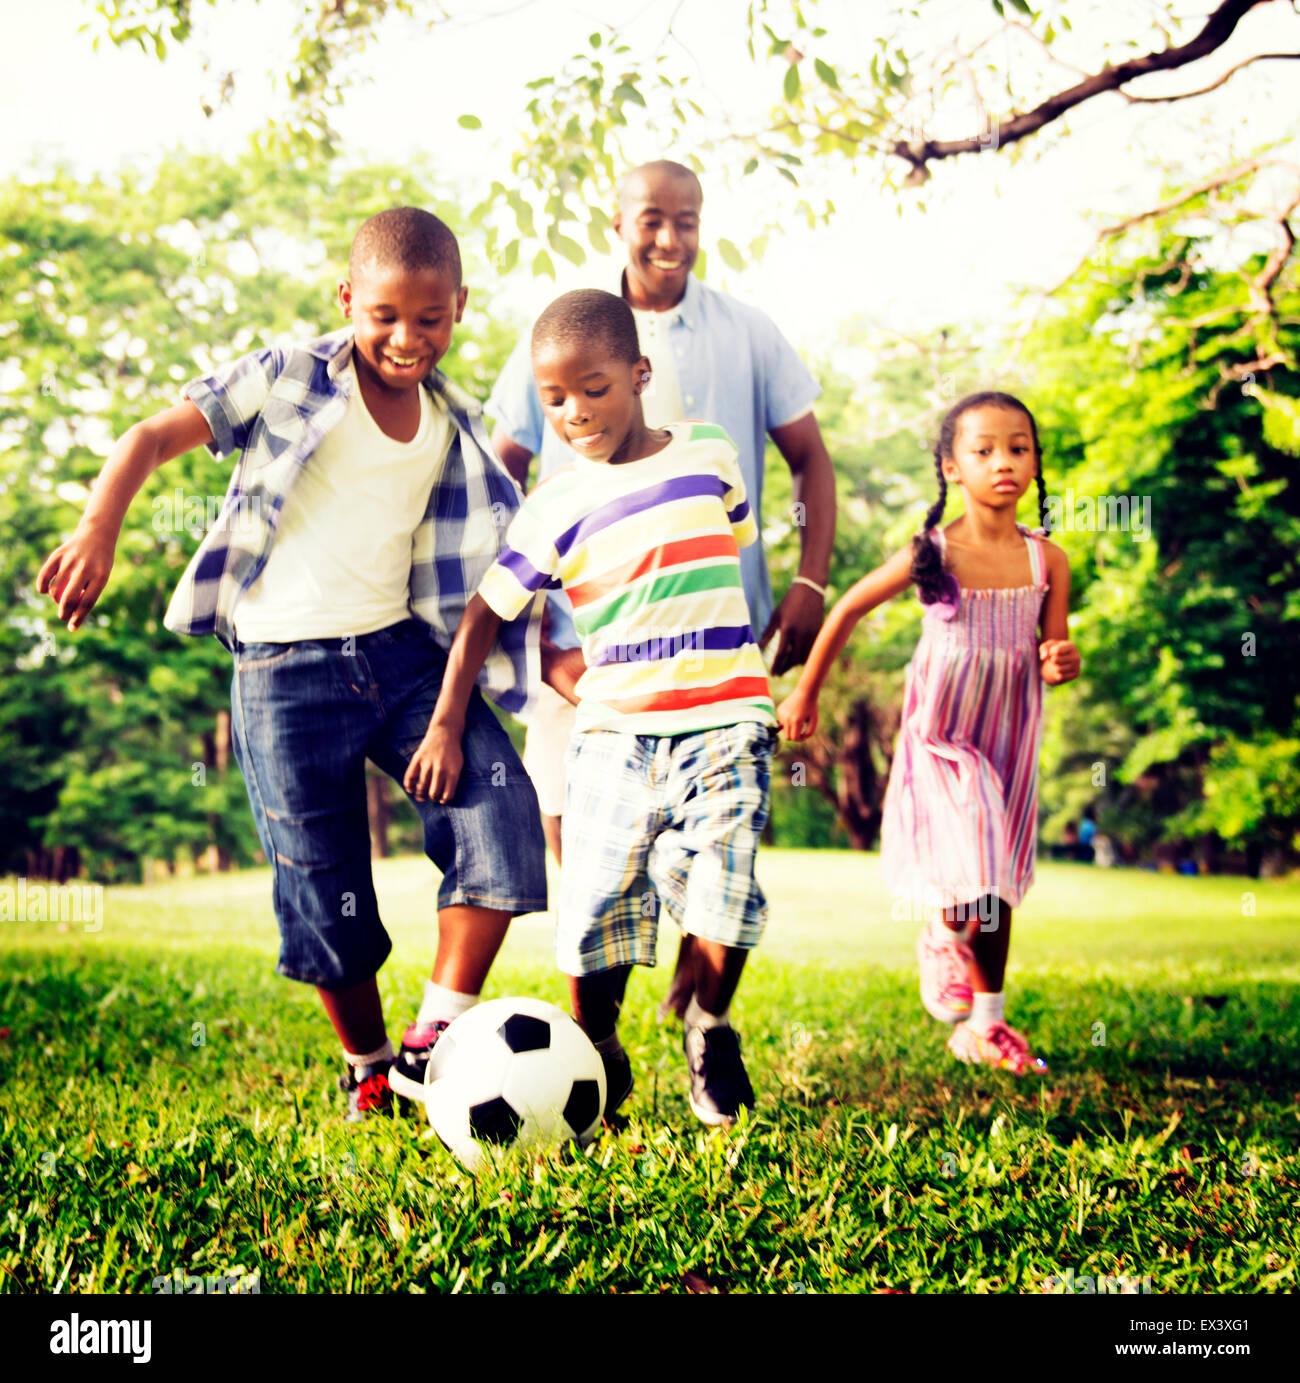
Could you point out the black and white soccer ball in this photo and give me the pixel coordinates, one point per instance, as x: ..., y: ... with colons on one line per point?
x: 513, y: 1072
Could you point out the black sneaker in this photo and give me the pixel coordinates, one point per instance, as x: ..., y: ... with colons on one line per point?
x: 618, y: 1081
x: 367, y: 1091
x: 719, y: 1086
x: 411, y: 1063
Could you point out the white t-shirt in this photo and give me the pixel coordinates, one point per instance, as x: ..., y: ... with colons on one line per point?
x: 341, y: 563
x: 661, y: 399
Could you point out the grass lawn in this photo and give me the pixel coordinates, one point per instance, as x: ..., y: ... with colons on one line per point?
x: 1160, y: 1145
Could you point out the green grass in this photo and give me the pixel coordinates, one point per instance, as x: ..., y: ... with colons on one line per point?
x: 1162, y: 1144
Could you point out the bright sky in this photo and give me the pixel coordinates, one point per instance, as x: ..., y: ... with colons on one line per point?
x: 992, y: 224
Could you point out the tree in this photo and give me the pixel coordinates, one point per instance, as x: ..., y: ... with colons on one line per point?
x: 114, y: 742
x: 936, y: 81
x: 1169, y: 391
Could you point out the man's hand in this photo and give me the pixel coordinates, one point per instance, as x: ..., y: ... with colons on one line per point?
x: 1059, y: 661
x: 797, y: 715
x: 76, y: 572
x: 797, y: 618
x: 434, y: 770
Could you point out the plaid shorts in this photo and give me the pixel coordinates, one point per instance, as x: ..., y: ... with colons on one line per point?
x: 655, y: 821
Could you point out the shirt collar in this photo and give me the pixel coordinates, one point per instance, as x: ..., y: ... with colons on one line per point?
x: 687, y: 311
x: 336, y: 350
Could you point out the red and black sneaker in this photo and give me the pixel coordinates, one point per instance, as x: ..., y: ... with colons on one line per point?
x: 367, y: 1090
x: 412, y: 1063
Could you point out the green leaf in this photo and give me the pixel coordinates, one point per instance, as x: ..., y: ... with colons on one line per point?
x: 542, y: 265
x: 1024, y: 9
x: 750, y: 167
x: 470, y: 122
x: 561, y: 244
x: 827, y: 73
x: 792, y: 82
x: 625, y: 91
x: 701, y: 264
x: 596, y: 234
x: 523, y: 213
x: 510, y: 256
x: 595, y: 40
x: 731, y: 256
x: 790, y: 177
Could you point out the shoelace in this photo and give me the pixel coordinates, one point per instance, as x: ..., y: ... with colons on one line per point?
x: 430, y: 1033
x: 1001, y: 1036
x: 952, y: 971
x: 371, y: 1091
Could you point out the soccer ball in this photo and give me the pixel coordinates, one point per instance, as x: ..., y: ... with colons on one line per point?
x: 513, y: 1072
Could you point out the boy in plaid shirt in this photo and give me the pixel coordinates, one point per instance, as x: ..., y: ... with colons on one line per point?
x: 668, y: 767
x: 363, y: 511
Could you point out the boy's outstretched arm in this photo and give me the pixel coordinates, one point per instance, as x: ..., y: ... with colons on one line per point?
x: 435, y: 766
x: 76, y: 572
x: 797, y: 714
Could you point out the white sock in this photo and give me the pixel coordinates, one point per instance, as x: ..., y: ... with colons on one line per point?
x: 609, y: 1046
x: 443, y: 1005
x: 380, y: 1054
x: 697, y: 1017
x: 985, y: 1010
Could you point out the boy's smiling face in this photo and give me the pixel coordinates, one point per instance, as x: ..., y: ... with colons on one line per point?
x: 592, y: 399
x: 403, y: 321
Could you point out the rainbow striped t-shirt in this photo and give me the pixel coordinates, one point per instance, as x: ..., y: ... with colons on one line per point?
x: 648, y: 553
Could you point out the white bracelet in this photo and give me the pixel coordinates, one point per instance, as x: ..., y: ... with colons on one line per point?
x: 804, y: 581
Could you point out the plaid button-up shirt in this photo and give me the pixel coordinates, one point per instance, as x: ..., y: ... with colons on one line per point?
x: 274, y: 407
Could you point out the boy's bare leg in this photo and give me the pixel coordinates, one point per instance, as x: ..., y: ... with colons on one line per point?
x: 551, y: 830
x: 596, y: 1000
x: 717, y: 972
x: 357, y: 1015
x: 468, y: 941
x: 683, y: 981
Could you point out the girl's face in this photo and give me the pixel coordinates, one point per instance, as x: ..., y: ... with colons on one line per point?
x: 993, y: 457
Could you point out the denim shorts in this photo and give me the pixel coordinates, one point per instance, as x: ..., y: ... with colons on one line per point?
x: 305, y: 718
x: 667, y: 822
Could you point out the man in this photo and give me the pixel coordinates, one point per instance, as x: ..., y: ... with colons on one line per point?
x: 712, y: 357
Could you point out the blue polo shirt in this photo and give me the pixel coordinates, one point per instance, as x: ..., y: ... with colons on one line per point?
x: 735, y: 369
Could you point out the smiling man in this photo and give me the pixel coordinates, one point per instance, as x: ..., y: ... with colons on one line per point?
x: 712, y: 357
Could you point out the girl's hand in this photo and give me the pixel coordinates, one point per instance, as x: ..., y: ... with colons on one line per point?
x: 76, y: 572
x: 797, y: 715
x: 435, y: 767
x: 1059, y: 659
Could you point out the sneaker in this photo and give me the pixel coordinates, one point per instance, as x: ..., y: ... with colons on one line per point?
x: 411, y: 1064
x: 618, y: 1081
x: 945, y: 974
x: 367, y: 1091
x: 1002, y: 1047
x: 719, y: 1086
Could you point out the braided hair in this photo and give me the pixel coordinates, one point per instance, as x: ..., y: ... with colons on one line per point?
x: 927, y: 562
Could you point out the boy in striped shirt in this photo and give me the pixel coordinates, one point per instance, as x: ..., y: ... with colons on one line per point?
x: 669, y: 764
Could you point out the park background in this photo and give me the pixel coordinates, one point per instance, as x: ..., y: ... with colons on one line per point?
x: 183, y: 187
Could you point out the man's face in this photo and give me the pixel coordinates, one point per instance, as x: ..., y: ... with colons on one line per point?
x: 403, y: 321
x: 658, y: 219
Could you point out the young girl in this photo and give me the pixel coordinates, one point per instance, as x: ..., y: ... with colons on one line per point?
x: 961, y: 810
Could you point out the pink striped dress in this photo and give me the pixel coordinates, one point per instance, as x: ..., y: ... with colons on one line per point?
x: 961, y: 810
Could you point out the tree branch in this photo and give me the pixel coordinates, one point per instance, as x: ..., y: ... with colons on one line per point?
x: 1213, y: 86
x: 1218, y: 29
